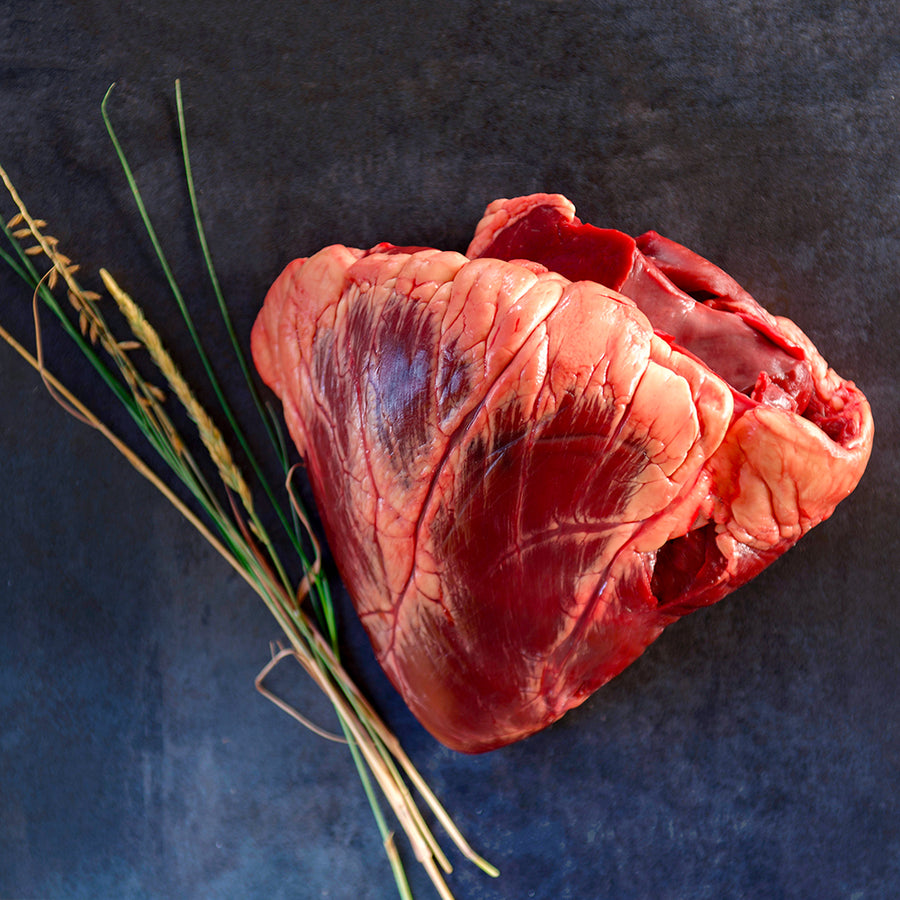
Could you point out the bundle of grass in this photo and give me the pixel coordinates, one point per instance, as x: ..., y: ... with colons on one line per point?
x: 226, y: 514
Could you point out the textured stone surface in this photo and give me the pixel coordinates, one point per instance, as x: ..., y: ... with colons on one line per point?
x: 753, y: 751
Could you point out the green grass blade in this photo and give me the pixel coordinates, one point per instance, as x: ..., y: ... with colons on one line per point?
x: 210, y: 267
x: 324, y: 606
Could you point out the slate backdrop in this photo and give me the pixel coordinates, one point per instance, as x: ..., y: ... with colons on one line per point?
x: 752, y: 752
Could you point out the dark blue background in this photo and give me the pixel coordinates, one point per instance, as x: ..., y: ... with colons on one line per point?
x: 752, y: 752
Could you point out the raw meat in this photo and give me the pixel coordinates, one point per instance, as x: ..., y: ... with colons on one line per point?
x: 531, y: 459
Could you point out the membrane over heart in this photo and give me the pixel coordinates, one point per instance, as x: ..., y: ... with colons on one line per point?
x: 532, y: 458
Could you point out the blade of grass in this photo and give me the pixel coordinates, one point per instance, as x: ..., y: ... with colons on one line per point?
x: 323, y: 604
x: 210, y: 267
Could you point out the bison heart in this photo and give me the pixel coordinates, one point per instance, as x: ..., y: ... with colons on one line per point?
x: 525, y: 475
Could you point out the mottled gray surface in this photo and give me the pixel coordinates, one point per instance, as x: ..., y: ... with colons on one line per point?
x: 752, y: 752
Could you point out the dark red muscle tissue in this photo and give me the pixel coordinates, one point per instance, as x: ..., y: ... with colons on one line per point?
x: 532, y: 458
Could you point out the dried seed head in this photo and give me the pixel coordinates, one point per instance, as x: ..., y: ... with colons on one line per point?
x: 210, y: 435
